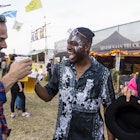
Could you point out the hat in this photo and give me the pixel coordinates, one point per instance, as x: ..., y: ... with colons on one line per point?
x: 123, y: 118
x: 87, y: 33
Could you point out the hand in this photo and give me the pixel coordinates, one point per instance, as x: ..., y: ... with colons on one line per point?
x: 20, y: 89
x: 39, y: 77
x: 128, y: 93
x: 20, y: 69
x: 4, y: 136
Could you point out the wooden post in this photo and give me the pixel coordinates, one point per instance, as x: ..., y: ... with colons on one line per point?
x: 117, y: 63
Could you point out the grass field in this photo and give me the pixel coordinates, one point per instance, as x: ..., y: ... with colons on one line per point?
x: 40, y: 126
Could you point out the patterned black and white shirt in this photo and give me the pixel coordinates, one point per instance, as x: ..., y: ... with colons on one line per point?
x: 79, y: 115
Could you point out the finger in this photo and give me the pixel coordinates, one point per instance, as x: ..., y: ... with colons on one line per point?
x: 138, y: 101
x: 128, y: 95
x: 121, y: 86
x: 26, y: 60
x: 124, y: 90
x: 133, y: 93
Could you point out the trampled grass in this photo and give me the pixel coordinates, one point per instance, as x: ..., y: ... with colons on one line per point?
x: 40, y: 126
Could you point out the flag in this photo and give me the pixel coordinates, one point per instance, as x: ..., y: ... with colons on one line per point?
x: 42, y: 31
x: 33, y: 5
x: 32, y: 36
x: 38, y: 33
x: 1, y: 6
x: 17, y: 25
x: 11, y: 14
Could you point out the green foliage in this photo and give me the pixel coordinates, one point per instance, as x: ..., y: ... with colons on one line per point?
x: 115, y: 74
x: 46, y: 77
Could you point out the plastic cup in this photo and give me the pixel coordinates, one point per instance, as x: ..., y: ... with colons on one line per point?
x: 29, y: 85
x: 19, y: 58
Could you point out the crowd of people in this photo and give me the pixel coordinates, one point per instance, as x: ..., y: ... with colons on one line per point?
x: 83, y: 85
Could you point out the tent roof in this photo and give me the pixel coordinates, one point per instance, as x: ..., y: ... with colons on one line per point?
x: 61, y: 54
x: 34, y: 52
x: 114, y: 41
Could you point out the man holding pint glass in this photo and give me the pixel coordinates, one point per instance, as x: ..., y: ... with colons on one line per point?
x: 17, y: 71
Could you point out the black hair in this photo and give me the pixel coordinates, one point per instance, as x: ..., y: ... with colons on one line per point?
x: 2, y: 19
x: 13, y: 57
x: 87, y: 33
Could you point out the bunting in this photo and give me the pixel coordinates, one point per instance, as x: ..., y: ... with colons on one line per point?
x: 33, y: 5
x: 17, y: 25
x: 11, y: 14
x: 38, y: 33
x: 1, y: 6
x: 42, y: 31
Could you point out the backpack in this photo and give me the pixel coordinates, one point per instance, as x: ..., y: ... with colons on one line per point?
x: 138, y: 84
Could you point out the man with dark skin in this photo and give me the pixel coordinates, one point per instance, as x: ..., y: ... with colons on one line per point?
x: 83, y: 85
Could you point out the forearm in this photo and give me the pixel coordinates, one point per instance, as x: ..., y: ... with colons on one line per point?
x: 8, y: 81
x: 110, y: 136
x: 42, y: 92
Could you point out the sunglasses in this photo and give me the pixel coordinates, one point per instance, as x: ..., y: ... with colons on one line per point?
x: 75, y: 31
x: 2, y: 18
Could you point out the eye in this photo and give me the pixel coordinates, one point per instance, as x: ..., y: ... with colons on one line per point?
x: 73, y: 43
x: 2, y: 39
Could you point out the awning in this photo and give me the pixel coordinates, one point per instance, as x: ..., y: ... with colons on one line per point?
x: 62, y: 54
x: 34, y: 52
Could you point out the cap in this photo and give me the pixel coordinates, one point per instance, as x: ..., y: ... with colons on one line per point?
x: 86, y: 32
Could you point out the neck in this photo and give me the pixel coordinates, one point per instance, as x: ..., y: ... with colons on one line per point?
x: 82, y: 67
x: 83, y: 63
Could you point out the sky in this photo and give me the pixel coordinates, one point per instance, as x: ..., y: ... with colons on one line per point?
x: 62, y: 15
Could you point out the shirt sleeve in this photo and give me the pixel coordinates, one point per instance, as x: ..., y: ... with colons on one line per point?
x: 132, y: 85
x: 53, y: 84
x: 2, y: 93
x: 3, y: 123
x: 108, y: 93
x: 4, y: 127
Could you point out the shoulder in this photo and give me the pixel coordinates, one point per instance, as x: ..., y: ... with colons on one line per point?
x: 97, y: 66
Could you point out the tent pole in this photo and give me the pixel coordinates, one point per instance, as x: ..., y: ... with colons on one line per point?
x: 117, y: 62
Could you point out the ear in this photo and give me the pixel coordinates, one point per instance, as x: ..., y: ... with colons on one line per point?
x: 87, y: 47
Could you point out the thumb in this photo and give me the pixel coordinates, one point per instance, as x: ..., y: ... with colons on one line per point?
x: 138, y: 101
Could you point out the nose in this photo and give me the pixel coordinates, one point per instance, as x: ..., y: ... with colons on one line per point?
x: 69, y: 47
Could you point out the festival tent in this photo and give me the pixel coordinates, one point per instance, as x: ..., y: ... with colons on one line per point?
x: 115, y: 42
x: 62, y: 55
x: 37, y: 55
x: 124, y: 51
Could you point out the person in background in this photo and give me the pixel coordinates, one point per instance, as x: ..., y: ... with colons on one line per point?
x: 3, y: 67
x: 50, y: 68
x: 17, y: 90
x: 83, y: 85
x: 17, y: 71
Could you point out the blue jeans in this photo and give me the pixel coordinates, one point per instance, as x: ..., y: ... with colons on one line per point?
x: 18, y: 102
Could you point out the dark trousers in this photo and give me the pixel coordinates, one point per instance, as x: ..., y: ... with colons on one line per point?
x: 49, y: 75
x: 3, y: 72
x: 14, y: 95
